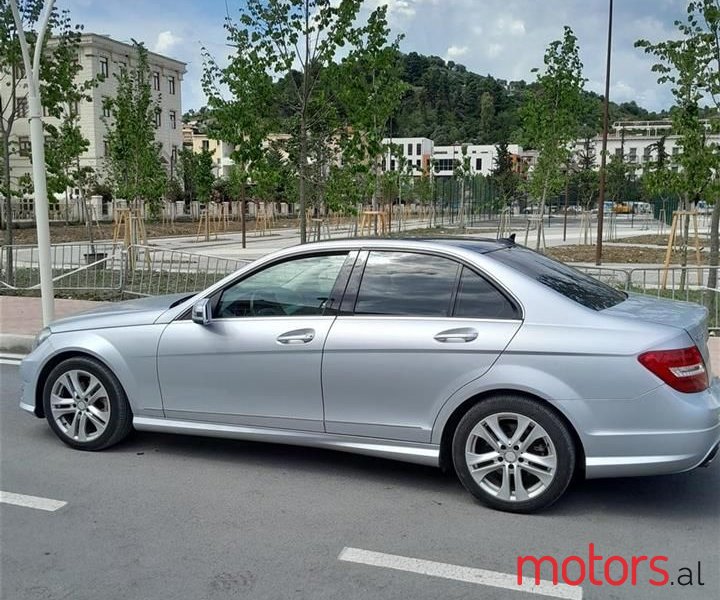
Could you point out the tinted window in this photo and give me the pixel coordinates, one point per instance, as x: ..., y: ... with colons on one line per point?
x: 401, y: 283
x: 478, y: 299
x: 570, y: 282
x: 295, y: 287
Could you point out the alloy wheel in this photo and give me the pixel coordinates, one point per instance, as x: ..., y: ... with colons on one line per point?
x: 511, y: 457
x: 80, y: 405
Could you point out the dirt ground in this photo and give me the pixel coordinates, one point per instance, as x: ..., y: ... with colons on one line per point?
x: 661, y: 240
x: 61, y: 233
x: 614, y: 254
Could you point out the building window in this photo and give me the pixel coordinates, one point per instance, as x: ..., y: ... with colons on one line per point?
x: 24, y: 145
x: 618, y: 153
x: 676, y: 150
x: 392, y: 165
x: 104, y: 67
x: 173, y: 156
x: 106, y: 107
x: 409, y: 152
x: 173, y: 119
x: 21, y: 107
x: 156, y: 81
x: 418, y: 149
x: 158, y: 118
x: 206, y: 145
x: 418, y: 164
x: 478, y: 164
x: 633, y: 155
x: 74, y: 109
x: 444, y: 164
x: 171, y: 85
x: 122, y: 64
x: 106, y: 148
x: 19, y: 71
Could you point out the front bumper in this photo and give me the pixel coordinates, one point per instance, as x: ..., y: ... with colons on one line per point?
x: 660, y: 433
x: 30, y: 369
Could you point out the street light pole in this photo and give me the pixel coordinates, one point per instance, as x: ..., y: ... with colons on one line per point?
x: 603, y: 153
x: 37, y: 141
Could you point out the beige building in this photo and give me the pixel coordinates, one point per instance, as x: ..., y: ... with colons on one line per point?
x: 100, y: 55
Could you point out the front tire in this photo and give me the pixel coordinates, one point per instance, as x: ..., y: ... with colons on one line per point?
x: 85, y: 404
x: 514, y: 454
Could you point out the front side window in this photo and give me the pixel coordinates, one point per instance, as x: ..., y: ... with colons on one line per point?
x: 298, y: 287
x: 407, y: 284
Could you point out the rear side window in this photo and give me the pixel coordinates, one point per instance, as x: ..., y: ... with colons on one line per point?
x: 407, y: 284
x: 560, y: 277
x: 477, y: 298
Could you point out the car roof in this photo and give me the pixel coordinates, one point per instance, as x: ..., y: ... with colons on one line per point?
x: 474, y: 244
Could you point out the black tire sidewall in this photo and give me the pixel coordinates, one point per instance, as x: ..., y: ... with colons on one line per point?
x: 120, y: 421
x: 545, y: 417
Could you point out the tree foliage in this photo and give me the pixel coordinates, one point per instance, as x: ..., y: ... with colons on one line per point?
x: 552, y: 117
x: 134, y: 164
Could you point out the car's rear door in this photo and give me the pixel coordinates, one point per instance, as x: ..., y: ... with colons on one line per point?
x: 413, y: 329
x: 258, y: 361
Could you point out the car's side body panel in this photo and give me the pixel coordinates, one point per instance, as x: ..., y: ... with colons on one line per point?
x: 235, y: 371
x: 388, y: 377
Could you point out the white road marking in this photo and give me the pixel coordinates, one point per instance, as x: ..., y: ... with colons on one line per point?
x: 36, y: 502
x: 459, y: 573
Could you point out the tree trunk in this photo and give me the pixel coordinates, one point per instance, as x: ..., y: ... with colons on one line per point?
x: 302, y: 171
x: 712, y: 281
x: 540, y: 216
x: 9, y: 276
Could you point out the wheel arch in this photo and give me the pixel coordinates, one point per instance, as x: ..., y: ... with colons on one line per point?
x: 451, y: 423
x: 53, y: 362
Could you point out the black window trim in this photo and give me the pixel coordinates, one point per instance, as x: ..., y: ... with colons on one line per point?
x: 353, y: 286
x: 344, y: 272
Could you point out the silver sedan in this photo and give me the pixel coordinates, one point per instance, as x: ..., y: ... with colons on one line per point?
x: 481, y: 356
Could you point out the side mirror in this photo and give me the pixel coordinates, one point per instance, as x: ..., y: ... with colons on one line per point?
x: 202, y: 312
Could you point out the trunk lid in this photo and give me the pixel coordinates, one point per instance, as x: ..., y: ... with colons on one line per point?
x: 691, y: 317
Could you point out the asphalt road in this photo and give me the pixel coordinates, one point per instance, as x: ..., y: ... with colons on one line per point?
x: 173, y: 517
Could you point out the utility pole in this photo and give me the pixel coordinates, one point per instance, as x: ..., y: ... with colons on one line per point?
x: 603, y: 153
x: 37, y: 141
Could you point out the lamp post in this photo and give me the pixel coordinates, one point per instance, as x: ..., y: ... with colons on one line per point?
x: 603, y: 153
x: 37, y: 141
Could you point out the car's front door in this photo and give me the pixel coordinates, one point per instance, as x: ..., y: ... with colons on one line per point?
x: 258, y: 360
x: 414, y: 328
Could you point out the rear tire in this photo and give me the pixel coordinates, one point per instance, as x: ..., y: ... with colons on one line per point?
x: 514, y: 454
x: 85, y: 404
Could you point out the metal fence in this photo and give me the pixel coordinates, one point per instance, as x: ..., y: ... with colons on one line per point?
x: 110, y: 270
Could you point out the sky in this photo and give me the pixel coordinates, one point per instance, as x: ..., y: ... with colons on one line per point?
x: 503, y: 38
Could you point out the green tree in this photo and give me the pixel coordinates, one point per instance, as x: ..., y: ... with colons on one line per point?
x: 299, y: 41
x: 463, y: 174
x: 57, y: 70
x: 134, y: 165
x: 552, y: 116
x: 503, y: 174
x: 690, y: 64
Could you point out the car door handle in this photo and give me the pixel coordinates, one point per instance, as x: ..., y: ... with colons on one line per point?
x: 463, y: 334
x: 298, y: 336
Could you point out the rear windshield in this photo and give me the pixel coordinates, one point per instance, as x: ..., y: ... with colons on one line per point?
x: 558, y: 276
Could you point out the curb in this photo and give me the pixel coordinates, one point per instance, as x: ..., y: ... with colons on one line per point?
x: 13, y: 343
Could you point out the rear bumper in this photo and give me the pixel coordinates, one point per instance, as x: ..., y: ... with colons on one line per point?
x: 661, y: 433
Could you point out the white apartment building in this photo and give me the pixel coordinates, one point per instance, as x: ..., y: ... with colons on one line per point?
x: 416, y: 154
x: 637, y: 142
x: 481, y: 158
x: 100, y: 55
x: 421, y: 153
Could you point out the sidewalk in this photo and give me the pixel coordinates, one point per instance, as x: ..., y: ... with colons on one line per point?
x: 21, y: 319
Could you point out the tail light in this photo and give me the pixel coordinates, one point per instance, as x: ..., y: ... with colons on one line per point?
x: 683, y: 370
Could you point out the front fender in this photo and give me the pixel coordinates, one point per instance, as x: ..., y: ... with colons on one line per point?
x: 129, y: 352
